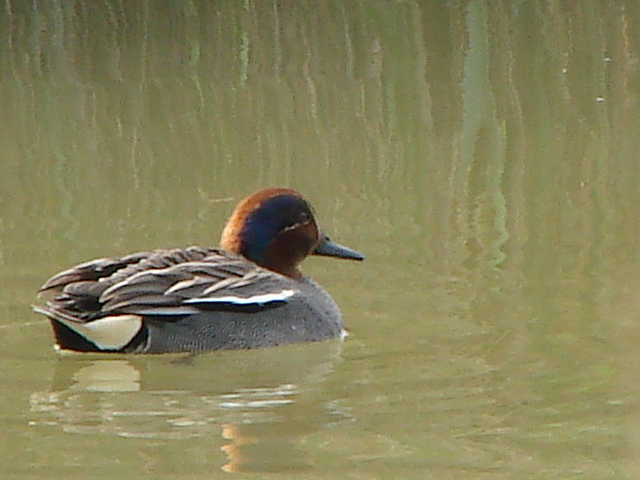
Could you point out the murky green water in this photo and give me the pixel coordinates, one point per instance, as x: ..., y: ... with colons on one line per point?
x: 485, y: 156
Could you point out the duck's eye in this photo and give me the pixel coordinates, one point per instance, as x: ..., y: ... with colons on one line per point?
x: 304, y: 218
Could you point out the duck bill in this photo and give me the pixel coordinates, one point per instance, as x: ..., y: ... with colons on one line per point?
x: 327, y: 248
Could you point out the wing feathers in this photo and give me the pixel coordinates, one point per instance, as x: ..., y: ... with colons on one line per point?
x: 164, y: 283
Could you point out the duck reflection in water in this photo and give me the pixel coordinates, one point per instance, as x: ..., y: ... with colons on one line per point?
x: 260, y: 405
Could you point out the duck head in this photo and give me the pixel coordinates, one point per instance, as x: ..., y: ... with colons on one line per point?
x: 276, y: 229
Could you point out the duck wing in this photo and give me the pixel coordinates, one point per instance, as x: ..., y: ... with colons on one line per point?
x: 113, y: 269
x: 172, y: 282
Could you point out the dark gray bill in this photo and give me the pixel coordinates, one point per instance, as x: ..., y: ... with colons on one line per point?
x: 328, y: 248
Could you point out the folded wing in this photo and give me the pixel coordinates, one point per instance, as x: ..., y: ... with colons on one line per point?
x: 164, y: 283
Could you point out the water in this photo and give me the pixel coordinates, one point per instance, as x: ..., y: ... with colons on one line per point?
x: 483, y: 156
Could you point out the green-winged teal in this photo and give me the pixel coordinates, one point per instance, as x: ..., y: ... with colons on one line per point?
x: 249, y: 293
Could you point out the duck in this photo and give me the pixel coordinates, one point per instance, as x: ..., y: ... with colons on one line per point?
x: 248, y: 293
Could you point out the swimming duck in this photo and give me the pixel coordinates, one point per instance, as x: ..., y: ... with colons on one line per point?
x: 249, y: 293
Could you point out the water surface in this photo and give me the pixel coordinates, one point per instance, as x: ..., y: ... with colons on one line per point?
x: 483, y: 155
